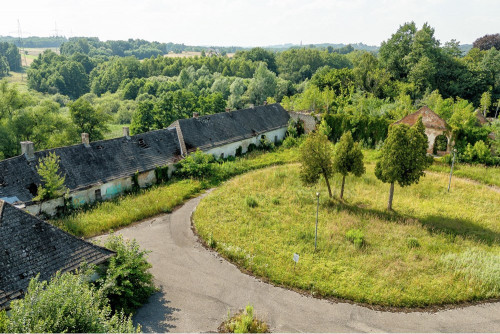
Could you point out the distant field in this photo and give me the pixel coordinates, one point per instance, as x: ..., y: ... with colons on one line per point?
x: 17, y: 78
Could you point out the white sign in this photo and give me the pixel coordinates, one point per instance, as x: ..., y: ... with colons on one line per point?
x: 296, y: 257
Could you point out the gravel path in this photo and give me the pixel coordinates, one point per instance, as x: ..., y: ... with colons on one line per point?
x: 198, y: 288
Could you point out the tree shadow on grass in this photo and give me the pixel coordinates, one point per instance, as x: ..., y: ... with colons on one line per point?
x: 156, y: 316
x: 452, y: 227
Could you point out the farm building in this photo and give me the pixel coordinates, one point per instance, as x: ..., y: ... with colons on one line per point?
x: 30, y: 246
x: 103, y: 169
x: 436, y: 129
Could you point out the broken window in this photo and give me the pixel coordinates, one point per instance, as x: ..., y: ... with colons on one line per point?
x: 98, y: 196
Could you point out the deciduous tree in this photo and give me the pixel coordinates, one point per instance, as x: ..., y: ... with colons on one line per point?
x: 404, y: 157
x: 316, y: 159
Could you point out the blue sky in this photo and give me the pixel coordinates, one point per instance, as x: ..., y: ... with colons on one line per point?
x: 250, y: 23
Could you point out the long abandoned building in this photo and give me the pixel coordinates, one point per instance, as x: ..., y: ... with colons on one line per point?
x: 104, y: 169
x: 30, y: 246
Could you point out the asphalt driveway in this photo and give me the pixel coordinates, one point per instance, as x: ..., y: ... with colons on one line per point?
x: 198, y: 288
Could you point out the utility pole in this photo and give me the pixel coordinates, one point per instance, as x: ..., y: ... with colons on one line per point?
x: 451, y: 171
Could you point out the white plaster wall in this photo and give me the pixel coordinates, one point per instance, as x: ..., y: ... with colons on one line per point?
x: 230, y: 149
x: 147, y: 178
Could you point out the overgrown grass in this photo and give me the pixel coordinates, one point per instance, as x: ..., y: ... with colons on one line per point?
x: 131, y: 208
x: 437, y: 248
x: 244, y: 322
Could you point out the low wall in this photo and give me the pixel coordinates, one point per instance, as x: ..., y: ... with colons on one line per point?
x: 94, y: 193
x: 230, y: 149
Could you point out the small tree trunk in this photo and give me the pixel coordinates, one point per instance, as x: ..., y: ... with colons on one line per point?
x: 391, y: 193
x: 328, y: 185
x: 342, y: 188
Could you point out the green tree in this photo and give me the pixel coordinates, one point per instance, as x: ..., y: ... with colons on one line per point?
x: 126, y: 281
x: 316, y: 159
x: 237, y: 89
x: 485, y: 102
x: 88, y: 119
x: 348, y: 159
x: 4, y: 67
x: 143, y: 119
x: 404, y: 157
x: 53, y: 182
x: 325, y: 129
x: 65, y: 304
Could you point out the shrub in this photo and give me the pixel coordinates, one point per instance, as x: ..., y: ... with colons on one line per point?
x: 65, y: 304
x: 356, y: 236
x: 244, y: 322
x: 251, y: 147
x: 289, y: 142
x: 127, y: 282
x: 251, y: 202
x: 265, y: 144
x: 197, y: 165
x: 4, y: 320
x: 479, y: 153
x: 53, y: 182
x: 161, y: 174
x: 412, y: 242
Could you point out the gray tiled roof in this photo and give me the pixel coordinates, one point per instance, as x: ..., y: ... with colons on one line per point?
x: 219, y: 129
x: 29, y: 246
x: 103, y: 161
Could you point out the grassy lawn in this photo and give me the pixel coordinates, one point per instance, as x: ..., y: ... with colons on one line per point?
x: 479, y: 173
x: 437, y: 248
x: 127, y: 209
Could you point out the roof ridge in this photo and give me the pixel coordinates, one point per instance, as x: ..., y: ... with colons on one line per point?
x: 1, y: 210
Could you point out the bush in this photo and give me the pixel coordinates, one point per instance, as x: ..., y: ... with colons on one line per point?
x: 251, y: 147
x: 356, y: 236
x: 127, y: 282
x: 239, y: 151
x: 251, y: 202
x: 4, y: 320
x: 196, y: 165
x: 244, y: 322
x: 265, y: 145
x: 53, y: 182
x: 65, y: 304
x: 161, y: 174
x: 412, y: 242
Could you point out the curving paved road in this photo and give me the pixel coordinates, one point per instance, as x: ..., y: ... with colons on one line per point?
x: 198, y: 288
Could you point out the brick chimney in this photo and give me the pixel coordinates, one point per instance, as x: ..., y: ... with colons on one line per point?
x: 195, y: 115
x: 265, y: 103
x: 86, y: 139
x: 252, y: 105
x: 228, y: 109
x: 126, y: 132
x: 28, y: 150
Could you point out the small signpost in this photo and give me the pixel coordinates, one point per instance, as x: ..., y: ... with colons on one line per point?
x: 295, y: 259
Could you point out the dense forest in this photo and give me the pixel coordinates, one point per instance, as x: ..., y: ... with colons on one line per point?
x: 92, y: 84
